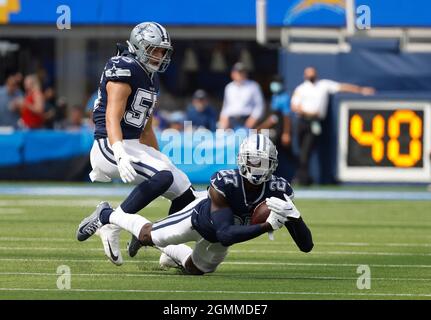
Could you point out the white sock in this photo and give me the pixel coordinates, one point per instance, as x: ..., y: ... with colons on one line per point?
x: 130, y: 222
x: 179, y: 253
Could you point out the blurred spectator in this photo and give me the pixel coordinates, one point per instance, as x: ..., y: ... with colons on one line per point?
x: 310, y: 102
x: 75, y: 120
x: 200, y: 113
x: 176, y: 120
x: 60, y: 119
x: 90, y: 103
x: 33, y: 106
x: 243, y: 103
x: 50, y: 107
x: 159, y: 120
x: 279, y: 125
x: 10, y: 100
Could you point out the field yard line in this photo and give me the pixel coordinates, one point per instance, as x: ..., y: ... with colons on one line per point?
x: 376, y: 244
x: 223, y: 292
x: 11, y: 211
x: 335, y: 252
x: 280, y: 243
x: 115, y: 190
x: 343, y: 244
x: 232, y: 263
x: 240, y: 251
x: 93, y: 202
x: 18, y: 239
x: 180, y: 276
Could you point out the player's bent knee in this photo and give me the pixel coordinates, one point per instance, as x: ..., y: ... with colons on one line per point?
x: 192, y: 269
x: 145, y: 235
x: 165, y: 177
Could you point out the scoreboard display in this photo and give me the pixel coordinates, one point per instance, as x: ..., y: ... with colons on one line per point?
x: 384, y: 141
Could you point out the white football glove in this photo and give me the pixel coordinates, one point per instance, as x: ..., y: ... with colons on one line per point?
x: 124, y: 162
x: 276, y: 221
x: 283, y: 208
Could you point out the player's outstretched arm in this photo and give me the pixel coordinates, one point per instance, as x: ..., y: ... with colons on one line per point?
x: 296, y: 226
x: 301, y: 234
x: 222, y: 217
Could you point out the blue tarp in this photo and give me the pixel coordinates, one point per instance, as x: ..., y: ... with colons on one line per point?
x: 198, y: 155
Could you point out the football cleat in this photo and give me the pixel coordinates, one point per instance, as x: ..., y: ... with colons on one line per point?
x: 133, y: 246
x: 89, y: 225
x: 110, y: 236
x: 166, y: 261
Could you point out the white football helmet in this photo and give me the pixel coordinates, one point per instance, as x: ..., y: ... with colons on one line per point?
x: 147, y: 37
x: 257, y: 158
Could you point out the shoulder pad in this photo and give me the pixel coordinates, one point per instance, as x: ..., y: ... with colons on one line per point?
x: 223, y: 180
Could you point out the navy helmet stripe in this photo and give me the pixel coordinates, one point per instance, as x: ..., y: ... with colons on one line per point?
x: 164, y: 37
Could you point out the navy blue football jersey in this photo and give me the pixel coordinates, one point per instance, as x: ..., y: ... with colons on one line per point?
x: 140, y: 104
x: 230, y: 184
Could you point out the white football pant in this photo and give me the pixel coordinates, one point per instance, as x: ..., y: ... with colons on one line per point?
x: 177, y: 229
x: 151, y: 161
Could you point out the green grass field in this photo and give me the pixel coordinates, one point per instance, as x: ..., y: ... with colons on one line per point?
x: 37, y: 235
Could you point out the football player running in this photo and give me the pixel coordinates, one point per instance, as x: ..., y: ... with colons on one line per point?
x: 222, y: 218
x: 125, y: 145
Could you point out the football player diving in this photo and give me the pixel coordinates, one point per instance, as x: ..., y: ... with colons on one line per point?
x: 125, y: 145
x: 220, y: 219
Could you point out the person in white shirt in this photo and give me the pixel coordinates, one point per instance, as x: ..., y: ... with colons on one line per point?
x: 310, y: 103
x: 243, y: 103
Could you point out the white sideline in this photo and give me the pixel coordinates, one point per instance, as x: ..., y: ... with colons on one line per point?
x: 368, y: 253
x: 222, y: 292
x: 75, y: 203
x: 231, y: 263
x: 274, y: 243
x: 144, y: 275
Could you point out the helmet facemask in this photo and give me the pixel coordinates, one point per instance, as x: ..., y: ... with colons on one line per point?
x: 153, y: 62
x: 257, y: 167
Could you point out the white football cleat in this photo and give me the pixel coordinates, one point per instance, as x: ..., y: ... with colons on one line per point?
x: 166, y: 261
x: 110, y: 235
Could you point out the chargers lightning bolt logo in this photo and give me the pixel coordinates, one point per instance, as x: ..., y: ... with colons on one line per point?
x: 304, y: 6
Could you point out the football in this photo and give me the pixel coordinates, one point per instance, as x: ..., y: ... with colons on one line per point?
x: 260, y: 213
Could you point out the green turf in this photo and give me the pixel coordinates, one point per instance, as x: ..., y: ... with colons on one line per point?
x: 37, y: 235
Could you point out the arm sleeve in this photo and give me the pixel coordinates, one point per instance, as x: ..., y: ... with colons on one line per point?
x: 259, y: 106
x: 300, y: 234
x: 332, y: 86
x: 227, y: 233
